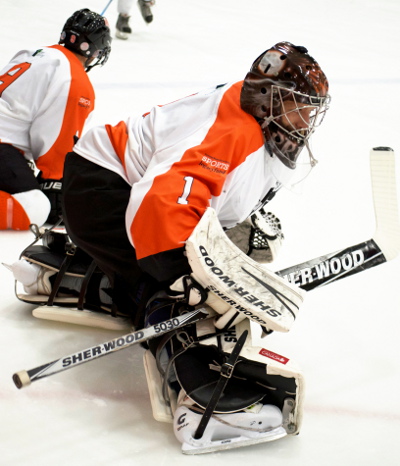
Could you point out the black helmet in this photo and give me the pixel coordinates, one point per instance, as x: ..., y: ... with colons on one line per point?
x: 87, y: 33
x: 284, y: 73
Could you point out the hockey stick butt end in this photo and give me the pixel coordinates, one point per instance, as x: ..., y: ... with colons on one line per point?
x: 382, y: 149
x: 21, y: 379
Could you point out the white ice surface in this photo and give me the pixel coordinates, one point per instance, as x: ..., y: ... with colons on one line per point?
x: 346, y: 338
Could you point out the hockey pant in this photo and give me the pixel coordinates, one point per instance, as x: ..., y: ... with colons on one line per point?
x: 94, y: 204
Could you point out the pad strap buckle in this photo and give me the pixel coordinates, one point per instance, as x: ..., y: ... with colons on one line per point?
x: 227, y: 370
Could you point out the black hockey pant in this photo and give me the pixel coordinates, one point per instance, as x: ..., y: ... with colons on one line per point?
x: 94, y: 204
x: 16, y: 176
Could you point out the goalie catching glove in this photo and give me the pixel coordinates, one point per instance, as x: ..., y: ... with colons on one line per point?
x: 260, y: 236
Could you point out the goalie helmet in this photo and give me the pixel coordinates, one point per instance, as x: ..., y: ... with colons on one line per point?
x: 88, y: 34
x: 287, y: 92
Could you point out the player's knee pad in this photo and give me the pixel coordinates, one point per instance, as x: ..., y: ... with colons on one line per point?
x: 18, y: 211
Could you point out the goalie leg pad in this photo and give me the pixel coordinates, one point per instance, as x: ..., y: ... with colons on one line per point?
x: 48, y: 263
x: 265, y: 386
x: 39, y: 269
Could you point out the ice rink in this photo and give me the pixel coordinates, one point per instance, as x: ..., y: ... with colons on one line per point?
x: 346, y: 338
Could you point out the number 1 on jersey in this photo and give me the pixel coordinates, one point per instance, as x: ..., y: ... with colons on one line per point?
x: 186, y: 190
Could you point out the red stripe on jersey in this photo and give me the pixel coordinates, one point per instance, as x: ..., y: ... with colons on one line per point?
x: 119, y: 137
x: 168, y: 214
x: 80, y: 103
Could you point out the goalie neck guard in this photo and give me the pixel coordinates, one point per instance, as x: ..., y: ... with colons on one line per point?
x: 287, y: 92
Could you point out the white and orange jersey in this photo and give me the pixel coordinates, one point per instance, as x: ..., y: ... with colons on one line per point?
x: 45, y: 99
x: 180, y: 158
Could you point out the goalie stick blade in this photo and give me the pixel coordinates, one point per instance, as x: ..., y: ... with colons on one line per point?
x: 383, y: 247
x: 24, y: 378
x: 384, y: 191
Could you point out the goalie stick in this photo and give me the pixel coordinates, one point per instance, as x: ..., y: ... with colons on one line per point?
x: 382, y: 247
x: 24, y: 378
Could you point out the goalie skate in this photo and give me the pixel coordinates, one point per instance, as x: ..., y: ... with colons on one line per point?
x: 257, y: 424
x: 122, y: 28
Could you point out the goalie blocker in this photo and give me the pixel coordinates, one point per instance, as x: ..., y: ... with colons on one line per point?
x: 238, y: 286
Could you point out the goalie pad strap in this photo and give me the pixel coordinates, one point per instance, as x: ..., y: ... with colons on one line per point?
x: 226, y: 373
x: 64, y: 267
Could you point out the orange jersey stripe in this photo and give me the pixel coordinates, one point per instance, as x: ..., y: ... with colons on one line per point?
x: 119, y: 137
x: 80, y: 103
x: 164, y: 220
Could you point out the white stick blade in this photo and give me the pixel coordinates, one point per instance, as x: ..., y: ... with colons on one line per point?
x: 384, y: 191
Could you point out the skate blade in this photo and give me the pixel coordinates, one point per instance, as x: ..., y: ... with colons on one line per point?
x: 228, y: 444
x: 82, y: 317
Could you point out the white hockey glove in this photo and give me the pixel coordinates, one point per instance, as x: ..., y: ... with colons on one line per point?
x: 260, y: 236
x: 189, y: 290
x: 228, y: 315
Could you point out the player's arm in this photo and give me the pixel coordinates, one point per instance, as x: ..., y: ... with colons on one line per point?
x: 165, y: 219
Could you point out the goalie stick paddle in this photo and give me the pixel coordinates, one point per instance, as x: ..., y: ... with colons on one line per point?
x: 382, y: 247
x: 24, y: 378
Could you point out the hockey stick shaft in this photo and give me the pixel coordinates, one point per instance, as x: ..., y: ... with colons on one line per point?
x: 106, y: 7
x: 384, y: 246
x: 332, y: 267
x: 24, y: 378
